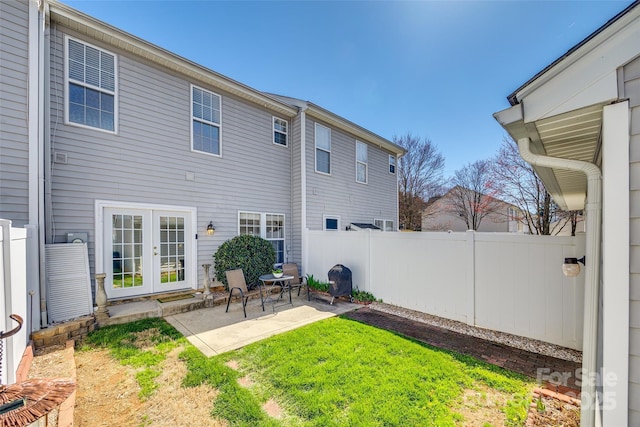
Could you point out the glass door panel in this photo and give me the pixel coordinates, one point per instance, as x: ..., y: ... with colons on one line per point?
x: 127, y: 233
x: 172, y: 261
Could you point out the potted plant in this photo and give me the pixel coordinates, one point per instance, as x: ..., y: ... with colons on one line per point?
x: 277, y: 272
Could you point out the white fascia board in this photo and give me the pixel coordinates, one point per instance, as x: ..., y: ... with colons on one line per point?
x: 359, y: 132
x: 106, y: 33
x: 587, y: 76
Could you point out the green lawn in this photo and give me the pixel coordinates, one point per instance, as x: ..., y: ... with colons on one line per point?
x: 336, y: 372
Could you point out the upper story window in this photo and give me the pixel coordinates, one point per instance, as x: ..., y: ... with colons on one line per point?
x: 205, y: 111
x: 280, y: 131
x: 91, y: 86
x: 392, y: 164
x: 323, y: 149
x: 361, y: 162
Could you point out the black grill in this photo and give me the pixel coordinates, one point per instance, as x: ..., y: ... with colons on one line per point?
x: 340, y: 283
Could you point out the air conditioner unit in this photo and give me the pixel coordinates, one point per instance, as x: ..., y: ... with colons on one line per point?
x: 68, y: 281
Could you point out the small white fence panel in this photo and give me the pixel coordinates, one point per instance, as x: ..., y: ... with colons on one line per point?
x: 501, y: 281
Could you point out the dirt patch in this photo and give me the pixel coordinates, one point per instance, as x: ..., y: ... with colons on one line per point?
x: 233, y: 364
x: 550, y: 411
x: 482, y: 406
x: 272, y: 408
x: 107, y: 395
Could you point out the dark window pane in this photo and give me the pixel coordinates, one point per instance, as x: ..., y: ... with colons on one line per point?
x: 76, y: 94
x: 93, y: 117
x: 106, y: 102
x: 76, y: 113
x: 280, y: 138
x: 323, y: 161
x: 107, y: 121
x: 331, y: 224
x: 93, y: 98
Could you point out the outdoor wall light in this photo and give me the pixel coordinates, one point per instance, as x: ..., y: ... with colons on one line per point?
x: 210, y: 228
x: 571, y: 268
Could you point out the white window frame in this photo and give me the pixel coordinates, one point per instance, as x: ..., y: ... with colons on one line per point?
x: 285, y: 133
x: 392, y: 163
x: 67, y: 82
x: 321, y: 148
x: 211, y: 123
x: 384, y: 224
x: 324, y: 222
x: 263, y: 229
x: 365, y: 163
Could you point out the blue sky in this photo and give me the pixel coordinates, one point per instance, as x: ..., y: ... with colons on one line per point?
x: 433, y: 68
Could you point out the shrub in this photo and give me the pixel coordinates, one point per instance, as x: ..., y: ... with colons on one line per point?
x: 253, y: 254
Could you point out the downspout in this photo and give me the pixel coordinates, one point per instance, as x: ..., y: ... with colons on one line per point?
x: 303, y: 188
x: 45, y: 153
x: 38, y: 60
x: 593, y: 213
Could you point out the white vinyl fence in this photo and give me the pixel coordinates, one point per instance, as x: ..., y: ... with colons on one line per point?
x: 501, y: 281
x: 13, y: 297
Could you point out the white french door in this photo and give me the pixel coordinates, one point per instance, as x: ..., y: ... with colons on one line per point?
x: 147, y: 251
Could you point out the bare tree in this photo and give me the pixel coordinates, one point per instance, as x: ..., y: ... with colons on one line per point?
x: 473, y: 194
x: 420, y: 177
x: 520, y: 185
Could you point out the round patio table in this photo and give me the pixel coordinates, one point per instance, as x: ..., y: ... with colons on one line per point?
x: 270, y: 281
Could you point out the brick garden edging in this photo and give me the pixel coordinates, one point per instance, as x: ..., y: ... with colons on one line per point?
x: 73, y: 330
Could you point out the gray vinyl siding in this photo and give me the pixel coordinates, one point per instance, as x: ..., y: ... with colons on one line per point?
x: 339, y: 193
x: 147, y: 161
x: 14, y: 110
x: 632, y: 92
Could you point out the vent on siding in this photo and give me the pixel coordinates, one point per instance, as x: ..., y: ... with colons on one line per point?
x: 68, y: 281
x: 59, y: 157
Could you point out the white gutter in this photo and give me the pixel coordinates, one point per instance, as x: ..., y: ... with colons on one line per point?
x: 593, y: 212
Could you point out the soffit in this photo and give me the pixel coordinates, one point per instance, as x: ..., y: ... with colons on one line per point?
x: 573, y: 135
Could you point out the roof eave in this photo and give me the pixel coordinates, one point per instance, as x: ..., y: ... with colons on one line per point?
x: 571, y: 55
x: 358, y: 131
x: 87, y: 25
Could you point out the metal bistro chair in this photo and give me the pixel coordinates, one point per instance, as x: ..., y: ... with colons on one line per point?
x: 235, y: 279
x: 291, y: 269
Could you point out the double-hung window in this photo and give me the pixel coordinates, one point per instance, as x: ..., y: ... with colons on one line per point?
x: 280, y: 131
x: 91, y: 86
x: 392, y: 164
x: 323, y: 149
x: 361, y: 162
x: 266, y: 225
x: 206, y: 123
x: 384, y: 224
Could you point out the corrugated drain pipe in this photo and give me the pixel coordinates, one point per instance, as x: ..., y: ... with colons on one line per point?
x: 593, y: 213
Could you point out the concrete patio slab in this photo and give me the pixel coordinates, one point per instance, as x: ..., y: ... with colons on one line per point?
x: 215, y: 332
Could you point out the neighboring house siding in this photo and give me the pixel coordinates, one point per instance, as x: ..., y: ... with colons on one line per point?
x: 632, y: 92
x: 14, y: 109
x: 147, y: 161
x: 339, y: 194
x: 440, y: 216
